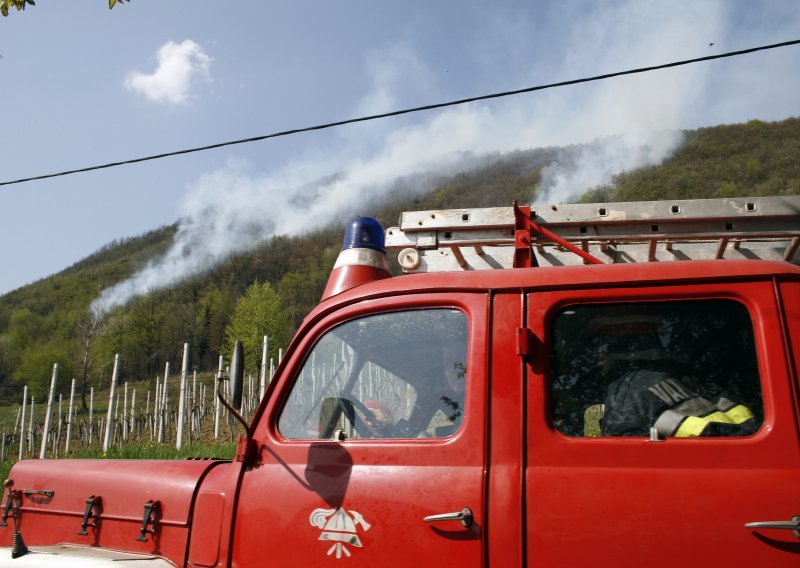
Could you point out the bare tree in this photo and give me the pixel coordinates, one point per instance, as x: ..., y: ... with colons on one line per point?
x: 88, y: 327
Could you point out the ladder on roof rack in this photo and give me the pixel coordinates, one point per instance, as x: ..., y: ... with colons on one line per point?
x: 766, y: 228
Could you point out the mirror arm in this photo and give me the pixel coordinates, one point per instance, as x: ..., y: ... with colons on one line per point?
x: 234, y: 412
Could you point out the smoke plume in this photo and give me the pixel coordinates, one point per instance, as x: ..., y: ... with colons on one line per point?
x: 609, y: 126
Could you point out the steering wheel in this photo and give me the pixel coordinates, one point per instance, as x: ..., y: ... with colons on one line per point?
x: 368, y: 426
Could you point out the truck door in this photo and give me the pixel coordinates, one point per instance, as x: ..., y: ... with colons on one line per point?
x: 660, y: 423
x: 372, y: 446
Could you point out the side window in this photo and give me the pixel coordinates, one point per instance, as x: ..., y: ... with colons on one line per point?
x: 392, y: 375
x: 684, y: 368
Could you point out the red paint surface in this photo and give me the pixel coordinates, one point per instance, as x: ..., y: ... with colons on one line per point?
x: 632, y: 502
x: 124, y: 486
x: 539, y: 498
x: 393, y: 484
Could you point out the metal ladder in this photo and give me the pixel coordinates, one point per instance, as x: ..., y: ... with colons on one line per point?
x: 766, y: 228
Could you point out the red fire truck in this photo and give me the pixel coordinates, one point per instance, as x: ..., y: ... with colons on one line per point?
x: 564, y: 385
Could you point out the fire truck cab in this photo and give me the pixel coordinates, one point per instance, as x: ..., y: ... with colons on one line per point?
x: 572, y: 385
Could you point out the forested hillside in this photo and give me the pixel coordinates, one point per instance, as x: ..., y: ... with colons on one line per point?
x: 49, y: 321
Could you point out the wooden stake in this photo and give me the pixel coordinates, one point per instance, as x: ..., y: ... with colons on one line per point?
x: 264, y: 354
x: 133, y: 420
x: 182, y: 397
x: 125, y: 414
x: 216, y: 398
x: 22, y: 422
x: 109, y: 423
x: 43, y: 448
x: 163, y: 404
x: 69, y: 420
x: 31, y: 433
x: 91, y: 413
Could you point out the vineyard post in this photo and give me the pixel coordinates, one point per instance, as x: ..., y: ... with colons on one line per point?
x: 54, y: 376
x: 182, y: 397
x: 109, y: 423
x: 91, y: 413
x: 217, y: 378
x: 57, y: 437
x: 156, y: 403
x: 162, y: 405
x: 114, y: 424
x: 133, y: 422
x: 69, y: 416
x: 194, y: 408
x: 228, y: 416
x: 16, y: 422
x: 31, y: 433
x: 125, y: 415
x: 249, y: 397
x: 264, y: 353
x: 149, y: 423
x: 22, y: 422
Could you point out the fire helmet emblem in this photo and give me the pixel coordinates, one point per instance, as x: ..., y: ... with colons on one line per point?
x: 339, y: 526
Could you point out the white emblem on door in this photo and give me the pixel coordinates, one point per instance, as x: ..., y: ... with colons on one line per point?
x: 339, y: 527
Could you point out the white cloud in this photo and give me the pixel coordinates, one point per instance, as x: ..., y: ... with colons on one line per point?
x: 178, y: 66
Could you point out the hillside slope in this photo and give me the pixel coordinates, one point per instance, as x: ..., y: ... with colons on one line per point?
x: 49, y: 320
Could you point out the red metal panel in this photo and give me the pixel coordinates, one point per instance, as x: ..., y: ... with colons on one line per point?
x: 204, y: 549
x: 560, y: 277
x: 222, y: 480
x: 630, y: 502
x: 506, y: 496
x: 124, y: 486
x: 790, y: 299
x: 391, y: 484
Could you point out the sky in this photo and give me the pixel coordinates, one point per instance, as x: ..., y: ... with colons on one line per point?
x: 84, y: 85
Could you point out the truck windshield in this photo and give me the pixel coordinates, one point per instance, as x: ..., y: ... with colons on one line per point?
x: 390, y: 375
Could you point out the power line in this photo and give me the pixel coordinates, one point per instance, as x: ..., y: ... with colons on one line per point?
x: 404, y: 111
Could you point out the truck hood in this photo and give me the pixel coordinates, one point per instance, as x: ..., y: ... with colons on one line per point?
x: 138, y: 506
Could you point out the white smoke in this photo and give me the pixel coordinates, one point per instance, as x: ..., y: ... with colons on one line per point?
x: 577, y: 170
x: 613, y: 126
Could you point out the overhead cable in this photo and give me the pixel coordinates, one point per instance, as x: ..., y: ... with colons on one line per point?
x: 403, y: 111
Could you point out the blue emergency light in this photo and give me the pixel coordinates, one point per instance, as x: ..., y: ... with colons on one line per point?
x: 364, y: 232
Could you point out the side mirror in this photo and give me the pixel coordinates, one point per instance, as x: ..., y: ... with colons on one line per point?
x: 237, y: 375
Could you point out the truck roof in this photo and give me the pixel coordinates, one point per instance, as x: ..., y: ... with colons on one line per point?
x: 557, y: 277
x: 570, y: 246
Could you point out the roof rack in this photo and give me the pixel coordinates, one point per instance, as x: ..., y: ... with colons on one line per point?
x: 766, y: 228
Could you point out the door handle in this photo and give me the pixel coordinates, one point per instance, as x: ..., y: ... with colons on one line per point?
x: 464, y: 516
x: 793, y: 525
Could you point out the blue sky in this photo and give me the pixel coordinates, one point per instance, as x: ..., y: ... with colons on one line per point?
x: 84, y: 85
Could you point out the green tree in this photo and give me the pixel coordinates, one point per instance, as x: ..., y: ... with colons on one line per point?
x: 145, y: 334
x: 258, y: 312
x: 22, y: 330
x: 302, y: 289
x: 20, y: 4
x: 36, y: 368
x: 6, y: 357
